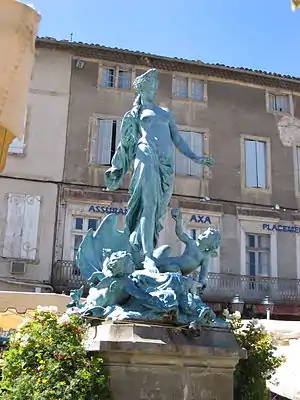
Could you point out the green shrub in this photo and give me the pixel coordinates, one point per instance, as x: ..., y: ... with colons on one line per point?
x: 252, y: 373
x: 46, y: 360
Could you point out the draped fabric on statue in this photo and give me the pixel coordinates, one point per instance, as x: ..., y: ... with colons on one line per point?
x: 151, y: 182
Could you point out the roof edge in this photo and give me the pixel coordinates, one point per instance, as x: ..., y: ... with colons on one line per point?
x: 68, y: 45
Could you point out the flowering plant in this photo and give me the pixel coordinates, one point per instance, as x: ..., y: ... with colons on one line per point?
x: 46, y: 360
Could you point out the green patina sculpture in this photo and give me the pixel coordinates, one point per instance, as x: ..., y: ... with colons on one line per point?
x: 148, y: 138
x: 197, y: 253
x: 129, y: 278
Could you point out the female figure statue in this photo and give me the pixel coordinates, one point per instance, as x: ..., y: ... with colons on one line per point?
x: 148, y: 137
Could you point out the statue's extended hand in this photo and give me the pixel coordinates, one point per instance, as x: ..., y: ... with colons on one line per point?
x: 207, y: 161
x: 175, y: 213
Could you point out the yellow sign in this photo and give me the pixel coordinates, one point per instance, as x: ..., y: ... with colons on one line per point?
x: 18, y: 28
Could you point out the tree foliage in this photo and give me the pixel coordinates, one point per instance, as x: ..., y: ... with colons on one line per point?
x: 252, y: 373
x: 46, y: 360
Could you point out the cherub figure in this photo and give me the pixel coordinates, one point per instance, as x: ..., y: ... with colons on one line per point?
x: 75, y: 295
x: 197, y: 253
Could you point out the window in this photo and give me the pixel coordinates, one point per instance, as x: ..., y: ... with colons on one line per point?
x: 188, y: 88
x: 124, y: 79
x: 21, y: 231
x: 255, y: 164
x: 214, y: 262
x: 185, y: 166
x: 258, y: 255
x: 279, y: 103
x: 116, y: 78
x: 181, y: 87
x: 107, y: 140
x: 197, y: 89
x: 108, y: 77
x: 80, y: 227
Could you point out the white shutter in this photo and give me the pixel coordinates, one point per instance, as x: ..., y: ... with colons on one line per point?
x: 30, y: 227
x: 197, y: 148
x: 261, y: 164
x: 272, y: 102
x: 250, y: 163
x: 14, y: 224
x: 104, y: 141
x: 118, y: 133
x: 21, y: 231
x: 104, y: 76
x: 94, y: 132
x: 182, y: 163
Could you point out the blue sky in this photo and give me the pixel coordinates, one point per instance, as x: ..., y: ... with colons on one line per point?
x: 258, y: 34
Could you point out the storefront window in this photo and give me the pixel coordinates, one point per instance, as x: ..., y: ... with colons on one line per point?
x: 194, y: 233
x: 80, y: 226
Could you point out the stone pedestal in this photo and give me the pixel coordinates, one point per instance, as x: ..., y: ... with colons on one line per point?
x: 148, y: 362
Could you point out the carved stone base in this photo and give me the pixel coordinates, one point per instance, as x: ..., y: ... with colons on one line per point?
x: 165, y: 363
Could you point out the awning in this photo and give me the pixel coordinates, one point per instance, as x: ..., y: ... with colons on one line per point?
x: 16, y: 306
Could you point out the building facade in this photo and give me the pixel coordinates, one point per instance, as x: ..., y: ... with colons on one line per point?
x: 29, y: 185
x: 249, y: 121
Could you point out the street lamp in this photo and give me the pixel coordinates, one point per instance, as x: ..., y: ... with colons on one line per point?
x: 237, y: 304
x: 267, y: 306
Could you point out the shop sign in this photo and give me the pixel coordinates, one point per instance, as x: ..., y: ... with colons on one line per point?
x: 282, y: 228
x: 108, y: 210
x: 200, y: 219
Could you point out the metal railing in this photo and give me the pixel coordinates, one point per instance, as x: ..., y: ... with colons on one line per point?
x: 221, y: 287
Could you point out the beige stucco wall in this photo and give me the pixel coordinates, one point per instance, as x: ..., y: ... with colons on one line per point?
x: 39, y: 270
x: 45, y: 135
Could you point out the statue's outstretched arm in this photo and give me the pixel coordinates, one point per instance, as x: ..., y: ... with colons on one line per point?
x: 182, y: 236
x: 184, y: 148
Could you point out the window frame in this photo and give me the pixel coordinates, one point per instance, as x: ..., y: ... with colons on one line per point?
x: 93, y: 135
x: 117, y: 68
x: 190, y: 79
x: 256, y: 250
x: 254, y: 226
x: 206, y: 139
x: 81, y: 232
x: 244, y: 187
x: 276, y: 92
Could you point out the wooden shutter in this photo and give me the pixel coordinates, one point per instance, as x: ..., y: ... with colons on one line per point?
x: 118, y: 133
x: 21, y: 231
x: 197, y: 147
x: 250, y: 163
x: 30, y: 227
x: 104, y: 141
x: 182, y: 163
x: 94, y: 131
x: 14, y: 224
x: 261, y: 164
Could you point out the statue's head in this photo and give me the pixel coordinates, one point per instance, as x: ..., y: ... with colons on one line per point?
x: 119, y: 264
x: 147, y: 84
x: 209, y: 241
